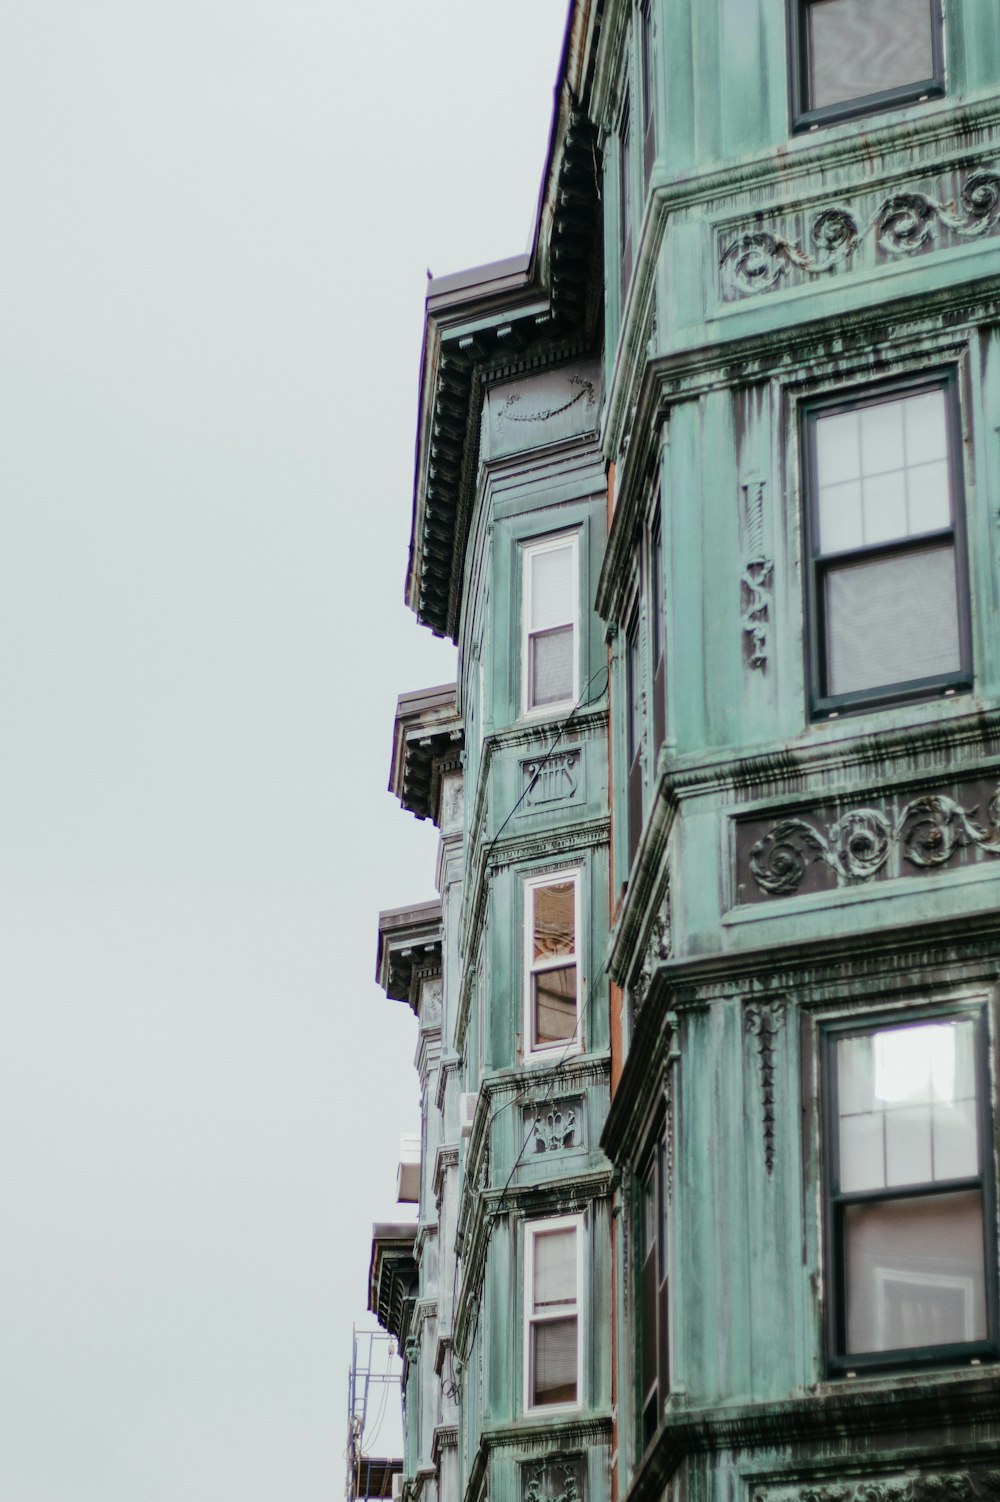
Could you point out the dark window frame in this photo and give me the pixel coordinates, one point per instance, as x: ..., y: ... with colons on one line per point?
x: 823, y: 704
x: 652, y: 1285
x: 647, y: 85
x: 635, y: 800
x: 805, y: 118
x: 839, y: 1362
x: 625, y: 204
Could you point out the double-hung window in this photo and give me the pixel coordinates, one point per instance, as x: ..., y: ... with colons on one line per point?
x: 551, y: 959
x: 553, y: 1347
x: 887, y: 580
x: 910, y: 1182
x: 654, y: 1331
x: 549, y: 615
x: 851, y: 57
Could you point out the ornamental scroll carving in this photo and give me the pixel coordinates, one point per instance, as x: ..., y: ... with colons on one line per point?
x: 930, y: 1486
x: 901, y: 224
x: 558, y: 1478
x: 763, y: 1022
x: 923, y: 834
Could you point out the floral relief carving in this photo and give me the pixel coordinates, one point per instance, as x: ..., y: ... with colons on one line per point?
x: 555, y: 1479
x: 556, y: 1129
x: 763, y: 1022
x: 931, y: 1486
x: 927, y: 832
x: 905, y: 222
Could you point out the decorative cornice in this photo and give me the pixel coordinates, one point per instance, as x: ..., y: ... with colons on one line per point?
x: 427, y: 741
x: 474, y: 322
x: 845, y: 755
x: 888, y: 1406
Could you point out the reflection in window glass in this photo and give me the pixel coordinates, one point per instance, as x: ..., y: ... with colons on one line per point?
x: 861, y: 47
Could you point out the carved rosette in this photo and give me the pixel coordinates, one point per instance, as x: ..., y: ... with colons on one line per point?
x: 973, y: 1485
x: 763, y: 1022
x: 756, y: 260
x: 928, y: 831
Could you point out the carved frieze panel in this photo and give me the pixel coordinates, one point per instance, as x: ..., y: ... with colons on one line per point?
x: 864, y: 232
x: 542, y: 408
x: 555, y: 1478
x: 553, y: 1127
x: 970, y: 1484
x: 844, y: 844
x: 550, y: 780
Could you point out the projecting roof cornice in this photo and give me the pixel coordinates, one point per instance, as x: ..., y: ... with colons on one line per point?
x: 392, y: 1277
x: 427, y: 742
x: 522, y: 313
x: 409, y: 948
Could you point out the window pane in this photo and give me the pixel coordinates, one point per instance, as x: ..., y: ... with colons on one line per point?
x: 862, y: 1153
x: 915, y: 1273
x: 551, y: 588
x: 908, y: 1146
x: 554, y: 1280
x: 882, y: 437
x: 554, y: 1362
x: 551, y: 668
x: 860, y: 47
x: 892, y: 620
x: 554, y: 1006
x: 553, y: 920
x: 838, y: 447
x: 926, y: 427
x: 841, y: 519
x: 907, y: 1103
x: 883, y: 472
x: 928, y: 497
x: 885, y: 507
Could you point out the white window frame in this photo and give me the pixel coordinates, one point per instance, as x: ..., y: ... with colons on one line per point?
x: 532, y: 967
x: 532, y: 1230
x: 529, y: 551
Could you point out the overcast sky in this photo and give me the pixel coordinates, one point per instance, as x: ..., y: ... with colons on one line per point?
x: 218, y: 219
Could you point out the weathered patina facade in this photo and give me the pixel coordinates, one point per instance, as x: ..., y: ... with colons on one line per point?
x: 708, y: 494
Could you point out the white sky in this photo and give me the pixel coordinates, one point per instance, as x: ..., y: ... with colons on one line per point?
x: 218, y: 215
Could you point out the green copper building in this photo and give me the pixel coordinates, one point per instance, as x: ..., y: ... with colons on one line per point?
x: 707, y: 493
